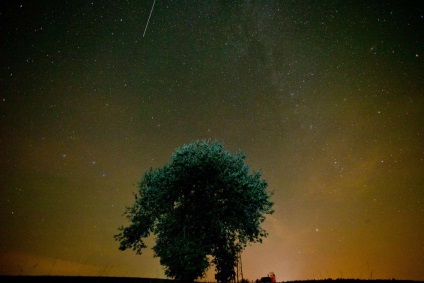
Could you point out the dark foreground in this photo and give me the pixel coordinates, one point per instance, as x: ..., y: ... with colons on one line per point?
x: 339, y: 280
x: 80, y: 279
x: 92, y: 279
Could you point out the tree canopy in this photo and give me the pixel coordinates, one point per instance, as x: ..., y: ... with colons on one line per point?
x: 204, y: 207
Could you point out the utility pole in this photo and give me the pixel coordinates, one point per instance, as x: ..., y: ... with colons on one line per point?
x: 241, y: 267
x: 237, y: 269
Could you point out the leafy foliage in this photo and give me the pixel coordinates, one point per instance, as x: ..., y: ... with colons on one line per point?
x: 205, y: 203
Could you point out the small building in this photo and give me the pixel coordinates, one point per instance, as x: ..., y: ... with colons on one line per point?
x: 272, y: 276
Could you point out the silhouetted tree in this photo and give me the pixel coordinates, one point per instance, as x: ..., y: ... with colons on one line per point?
x: 204, y: 207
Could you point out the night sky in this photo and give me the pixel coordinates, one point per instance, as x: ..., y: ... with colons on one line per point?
x: 325, y: 98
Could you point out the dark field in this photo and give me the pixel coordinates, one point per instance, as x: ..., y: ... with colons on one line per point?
x: 92, y: 279
x: 80, y: 279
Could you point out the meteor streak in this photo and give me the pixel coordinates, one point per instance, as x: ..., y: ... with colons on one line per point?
x: 149, y: 17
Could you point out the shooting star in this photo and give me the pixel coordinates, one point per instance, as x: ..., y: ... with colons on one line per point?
x: 149, y: 17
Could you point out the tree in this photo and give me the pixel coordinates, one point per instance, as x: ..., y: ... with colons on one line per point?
x: 204, y: 207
